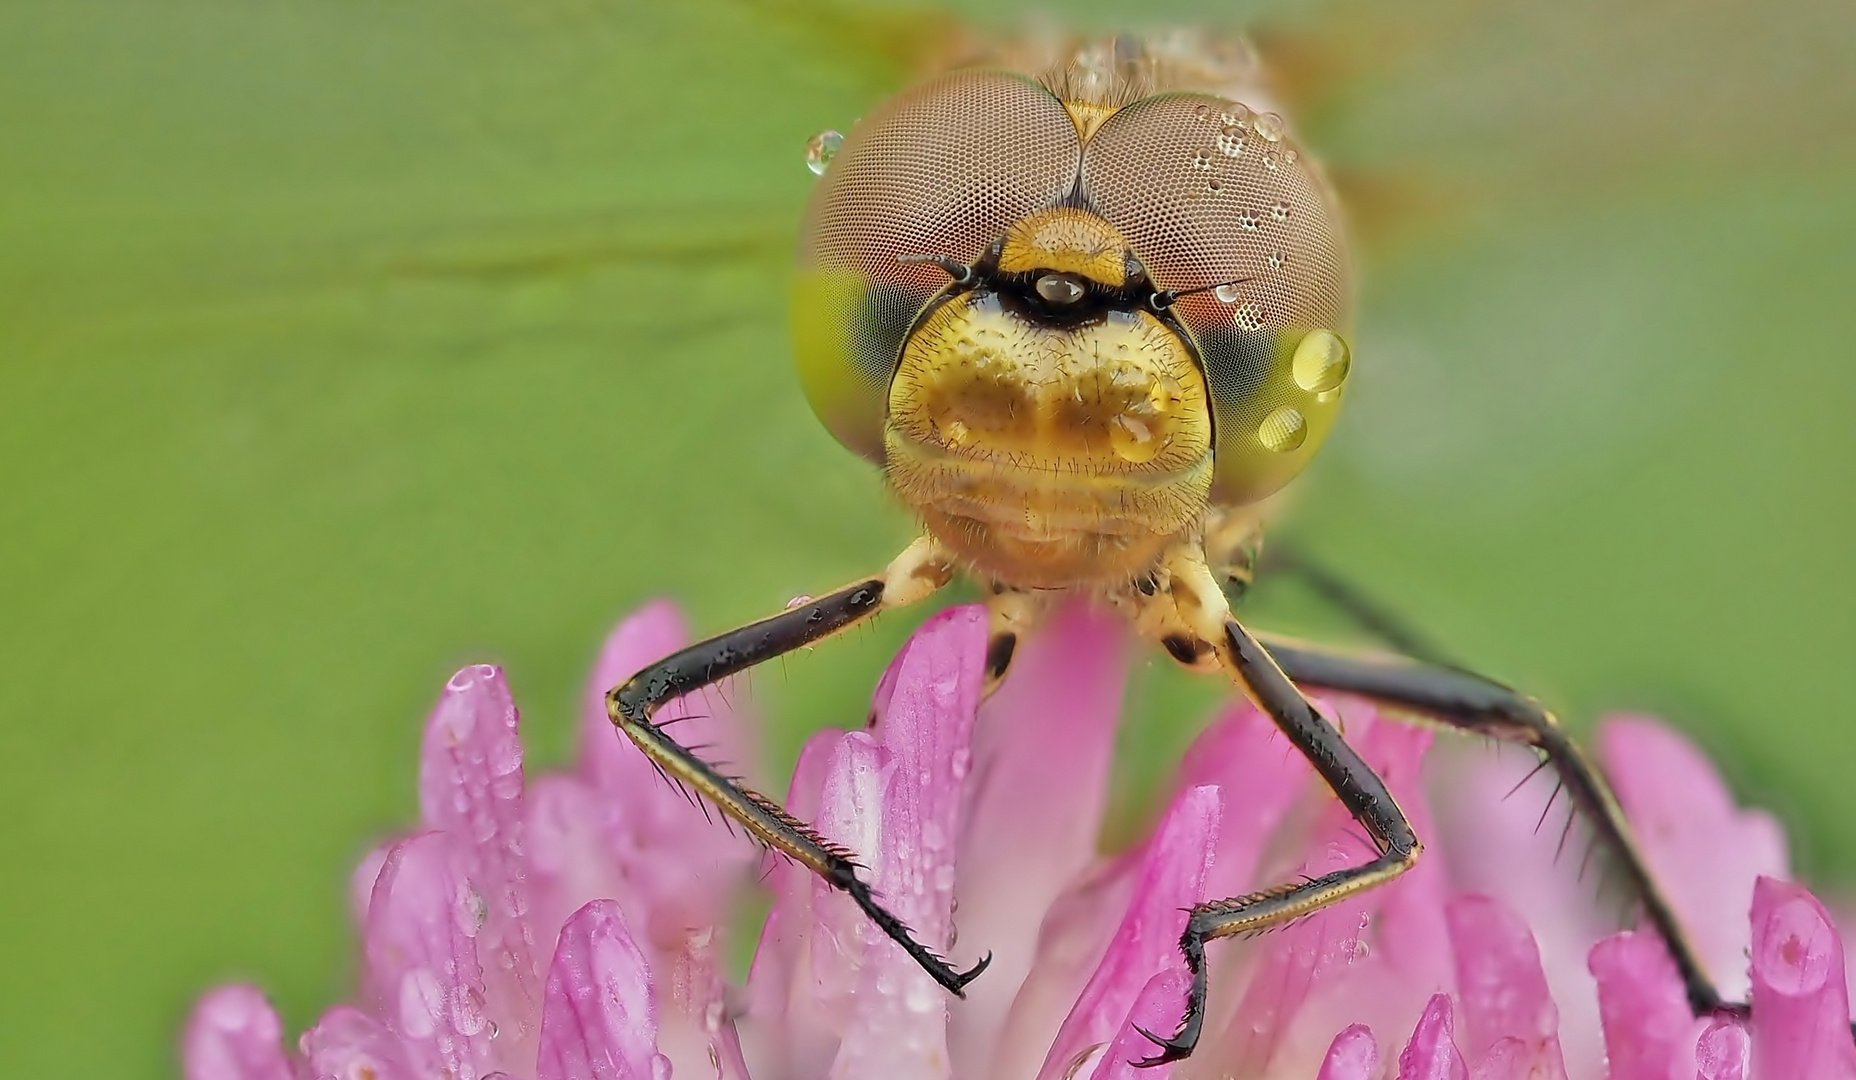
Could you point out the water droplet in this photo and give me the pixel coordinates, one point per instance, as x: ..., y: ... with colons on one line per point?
x: 1269, y: 161
x: 1230, y: 145
x: 921, y: 996
x: 1269, y: 126
x: 1213, y: 185
x: 820, y: 149
x: 1248, y: 317
x: 1133, y: 439
x: 1236, y: 118
x: 467, y: 1011
x: 1283, y: 430
x: 473, y: 911
x: 493, y: 1031
x: 661, y: 1067
x: 1203, y: 112
x: 1321, y: 362
x: 1201, y: 160
x: 1229, y: 292
x: 802, y: 598
x: 1248, y: 219
x: 1275, y: 260
x: 1280, y: 211
x: 712, y: 1017
x: 1288, y: 157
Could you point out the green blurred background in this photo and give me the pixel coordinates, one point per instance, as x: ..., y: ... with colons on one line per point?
x: 342, y: 343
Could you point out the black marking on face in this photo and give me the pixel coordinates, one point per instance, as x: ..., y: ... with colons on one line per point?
x: 999, y: 654
x: 1186, y: 650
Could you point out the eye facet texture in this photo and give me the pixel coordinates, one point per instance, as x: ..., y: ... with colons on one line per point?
x: 1209, y: 193
x: 942, y: 169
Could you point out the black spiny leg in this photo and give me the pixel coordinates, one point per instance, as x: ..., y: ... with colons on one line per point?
x: 632, y: 705
x: 1472, y: 703
x: 1359, y: 789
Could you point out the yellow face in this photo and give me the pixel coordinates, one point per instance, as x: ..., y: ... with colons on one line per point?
x: 1068, y: 329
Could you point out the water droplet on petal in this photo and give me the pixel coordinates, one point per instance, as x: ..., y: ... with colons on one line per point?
x: 1321, y: 362
x: 467, y: 1011
x: 473, y: 911
x: 661, y: 1067
x: 1283, y: 430
x: 820, y: 149
x: 1269, y: 126
x: 921, y: 996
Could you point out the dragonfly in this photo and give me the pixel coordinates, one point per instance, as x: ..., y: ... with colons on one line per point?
x: 1088, y: 305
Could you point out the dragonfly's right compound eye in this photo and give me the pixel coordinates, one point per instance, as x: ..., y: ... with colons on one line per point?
x: 941, y: 171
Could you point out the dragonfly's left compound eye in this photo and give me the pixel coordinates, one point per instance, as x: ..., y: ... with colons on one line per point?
x: 1220, y: 204
x: 941, y: 171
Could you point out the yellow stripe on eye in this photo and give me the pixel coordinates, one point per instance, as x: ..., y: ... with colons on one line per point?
x: 848, y: 400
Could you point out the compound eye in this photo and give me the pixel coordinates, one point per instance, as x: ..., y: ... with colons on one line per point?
x: 1060, y: 289
x: 1234, y: 223
x: 942, y: 170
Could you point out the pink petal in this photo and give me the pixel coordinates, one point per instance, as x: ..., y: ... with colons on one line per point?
x: 1503, y: 989
x: 1370, y: 959
x: 1041, y: 755
x: 1495, y: 842
x: 896, y: 800
x: 1156, y: 1010
x: 599, y: 1020
x: 422, y: 970
x: 784, y: 1026
x: 1354, y: 1055
x: 1723, y: 1052
x: 678, y: 864
x: 1261, y: 773
x: 1649, y: 1030
x: 234, y: 1034
x: 348, y: 1044
x: 1147, y: 942
x: 1292, y: 960
x: 470, y: 786
x: 569, y: 863
x: 1801, y: 1007
x: 1432, y: 1054
x: 1703, y: 848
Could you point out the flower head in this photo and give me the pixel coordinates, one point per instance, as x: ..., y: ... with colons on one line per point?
x: 566, y: 926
